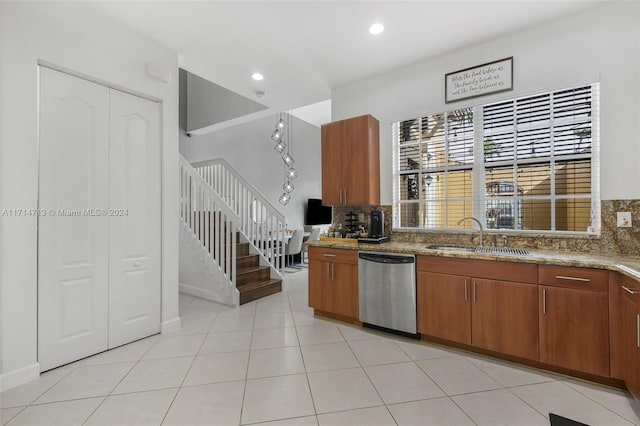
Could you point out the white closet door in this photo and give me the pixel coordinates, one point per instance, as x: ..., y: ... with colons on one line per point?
x: 72, y: 246
x: 134, y: 250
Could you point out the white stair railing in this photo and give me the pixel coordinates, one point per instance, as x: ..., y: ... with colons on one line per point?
x: 213, y: 223
x: 260, y: 221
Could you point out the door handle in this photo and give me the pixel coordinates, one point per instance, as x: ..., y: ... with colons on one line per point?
x: 544, y: 301
x: 333, y: 271
x: 466, y: 291
x: 328, y: 270
x: 329, y: 255
x: 630, y: 290
x: 638, y: 330
x: 345, y: 195
x: 474, y: 291
x: 564, y: 277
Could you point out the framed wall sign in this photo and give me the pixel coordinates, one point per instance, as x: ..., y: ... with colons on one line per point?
x: 492, y: 77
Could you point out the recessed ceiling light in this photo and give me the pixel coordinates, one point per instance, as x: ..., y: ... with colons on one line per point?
x: 376, y: 28
x: 257, y: 76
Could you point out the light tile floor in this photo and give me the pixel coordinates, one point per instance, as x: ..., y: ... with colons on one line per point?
x: 273, y: 361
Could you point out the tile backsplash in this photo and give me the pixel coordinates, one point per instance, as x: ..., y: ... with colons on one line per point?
x: 612, y: 240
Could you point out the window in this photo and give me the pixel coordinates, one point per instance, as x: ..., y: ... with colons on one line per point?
x: 522, y: 164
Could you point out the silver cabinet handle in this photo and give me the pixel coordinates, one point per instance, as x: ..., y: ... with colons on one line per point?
x: 328, y: 255
x: 630, y: 290
x: 466, y: 296
x: 564, y: 277
x: 345, y: 195
x: 333, y: 271
x: 474, y: 291
x: 544, y: 301
x: 638, y: 330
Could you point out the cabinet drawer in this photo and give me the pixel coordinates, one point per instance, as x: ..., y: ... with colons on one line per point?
x: 489, y: 269
x: 333, y: 255
x: 567, y: 276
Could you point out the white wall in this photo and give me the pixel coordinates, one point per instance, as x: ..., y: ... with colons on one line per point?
x: 601, y: 44
x: 72, y: 36
x: 249, y: 149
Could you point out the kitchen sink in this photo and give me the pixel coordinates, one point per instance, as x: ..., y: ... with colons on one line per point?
x: 502, y: 250
x: 483, y: 250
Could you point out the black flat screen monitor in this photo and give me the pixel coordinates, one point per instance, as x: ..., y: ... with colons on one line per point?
x: 317, y: 214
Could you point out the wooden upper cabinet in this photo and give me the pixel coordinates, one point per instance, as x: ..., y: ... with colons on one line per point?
x: 351, y: 161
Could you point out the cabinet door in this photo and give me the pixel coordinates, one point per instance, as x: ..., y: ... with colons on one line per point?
x: 504, y: 317
x: 344, y: 286
x: 317, y: 280
x: 360, y: 161
x: 631, y: 342
x: 443, y: 306
x: 574, y: 329
x: 332, y: 160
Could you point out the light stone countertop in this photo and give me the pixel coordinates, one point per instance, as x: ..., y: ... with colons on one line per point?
x: 629, y: 266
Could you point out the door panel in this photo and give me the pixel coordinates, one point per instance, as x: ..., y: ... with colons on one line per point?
x: 345, y: 290
x: 504, y: 317
x: 574, y: 329
x: 631, y: 342
x: 72, y: 245
x: 332, y: 159
x: 443, y: 306
x: 134, y: 222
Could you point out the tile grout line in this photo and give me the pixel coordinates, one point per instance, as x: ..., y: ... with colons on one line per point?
x: 564, y: 382
x: 120, y: 381
x: 304, y: 366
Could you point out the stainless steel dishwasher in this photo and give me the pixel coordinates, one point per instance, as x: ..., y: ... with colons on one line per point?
x: 387, y: 291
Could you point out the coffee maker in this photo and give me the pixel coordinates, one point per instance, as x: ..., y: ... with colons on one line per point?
x: 376, y: 228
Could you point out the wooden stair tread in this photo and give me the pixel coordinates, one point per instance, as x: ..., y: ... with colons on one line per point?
x: 249, y: 269
x: 257, y: 284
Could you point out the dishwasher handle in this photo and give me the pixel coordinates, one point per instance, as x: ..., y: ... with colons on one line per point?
x: 386, y: 258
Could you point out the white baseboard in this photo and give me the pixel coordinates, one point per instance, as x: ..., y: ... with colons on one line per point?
x: 171, y: 325
x: 201, y: 293
x: 19, y: 377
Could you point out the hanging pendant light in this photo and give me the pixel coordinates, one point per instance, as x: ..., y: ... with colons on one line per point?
x: 281, y: 123
x: 284, y: 198
x: 292, y: 173
x: 288, y: 187
x: 280, y: 146
x: 276, y: 135
x: 288, y: 159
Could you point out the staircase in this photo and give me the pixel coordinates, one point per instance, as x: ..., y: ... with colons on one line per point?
x: 253, y: 280
x: 218, y: 260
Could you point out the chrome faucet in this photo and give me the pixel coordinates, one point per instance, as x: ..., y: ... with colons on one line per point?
x: 479, y: 225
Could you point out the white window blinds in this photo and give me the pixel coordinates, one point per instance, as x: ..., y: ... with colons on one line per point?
x: 522, y: 164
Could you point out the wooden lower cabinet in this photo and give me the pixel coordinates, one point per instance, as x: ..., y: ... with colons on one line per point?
x: 574, y: 329
x: 443, y: 306
x: 504, y: 317
x: 333, y: 282
x: 630, y: 338
x: 499, y: 316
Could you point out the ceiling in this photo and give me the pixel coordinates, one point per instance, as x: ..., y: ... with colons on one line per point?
x: 306, y: 48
